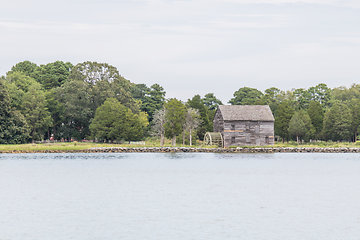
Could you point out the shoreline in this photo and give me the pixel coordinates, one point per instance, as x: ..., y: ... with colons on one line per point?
x: 197, y: 150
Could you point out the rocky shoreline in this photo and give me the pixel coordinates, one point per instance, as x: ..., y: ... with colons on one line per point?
x: 197, y: 150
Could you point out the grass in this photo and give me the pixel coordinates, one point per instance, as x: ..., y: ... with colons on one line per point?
x: 77, y: 146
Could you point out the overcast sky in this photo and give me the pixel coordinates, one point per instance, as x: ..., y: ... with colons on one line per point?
x: 192, y: 47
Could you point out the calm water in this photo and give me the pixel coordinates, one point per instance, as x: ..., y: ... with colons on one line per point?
x: 179, y: 196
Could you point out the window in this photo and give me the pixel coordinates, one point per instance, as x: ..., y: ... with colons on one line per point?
x: 232, y: 126
x: 233, y: 139
x: 266, y: 140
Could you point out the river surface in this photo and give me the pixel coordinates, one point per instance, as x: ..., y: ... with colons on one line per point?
x: 180, y: 196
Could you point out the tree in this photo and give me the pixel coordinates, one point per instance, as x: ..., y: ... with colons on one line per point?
x: 152, y: 99
x: 35, y: 112
x: 26, y: 67
x: 283, y: 114
x: 29, y: 98
x: 297, y: 126
x: 114, y: 121
x: 302, y: 98
x: 139, y: 91
x: 211, y: 101
x: 175, y: 118
x: 246, y: 96
x: 158, y: 127
x: 192, y: 121
x: 337, y: 123
x: 103, y: 81
x: 316, y: 115
x: 354, y: 105
x: 206, y: 115
x: 53, y: 74
x: 300, y: 126
x: 78, y: 111
x: 13, y: 126
x: 320, y: 93
x: 272, y: 97
x: 57, y: 112
x: 89, y: 85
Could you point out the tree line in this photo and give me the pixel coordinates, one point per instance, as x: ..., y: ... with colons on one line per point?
x: 91, y: 100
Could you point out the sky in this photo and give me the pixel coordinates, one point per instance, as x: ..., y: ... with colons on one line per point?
x: 192, y: 47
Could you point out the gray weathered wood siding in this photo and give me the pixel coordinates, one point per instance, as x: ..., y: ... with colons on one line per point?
x: 218, y: 122
x: 240, y: 133
x: 245, y: 132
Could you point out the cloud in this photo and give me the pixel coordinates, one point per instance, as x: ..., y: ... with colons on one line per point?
x: 205, y: 44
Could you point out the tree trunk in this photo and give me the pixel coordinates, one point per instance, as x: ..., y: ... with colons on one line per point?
x: 355, y: 137
x: 297, y: 139
x: 162, y: 140
x: 174, y: 141
x: 190, y: 137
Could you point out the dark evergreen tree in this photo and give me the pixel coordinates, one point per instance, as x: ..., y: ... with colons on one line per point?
x: 316, y: 115
x: 175, y: 118
x: 337, y: 123
x: 283, y: 113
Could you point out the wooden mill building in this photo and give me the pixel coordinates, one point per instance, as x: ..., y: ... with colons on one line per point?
x: 242, y: 125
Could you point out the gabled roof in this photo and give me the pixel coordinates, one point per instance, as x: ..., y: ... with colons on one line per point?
x: 246, y: 113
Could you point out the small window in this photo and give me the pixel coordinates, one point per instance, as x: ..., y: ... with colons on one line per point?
x: 232, y: 139
x: 232, y: 126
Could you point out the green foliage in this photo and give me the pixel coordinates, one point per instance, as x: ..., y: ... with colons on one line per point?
x: 192, y: 122
x: 316, y: 114
x: 78, y: 109
x: 206, y: 115
x: 321, y: 94
x: 246, y: 96
x: 28, y: 97
x: 61, y: 99
x: 297, y: 126
x: 302, y: 98
x: 272, y: 97
x: 211, y: 101
x: 13, y: 126
x: 300, y: 126
x: 175, y: 117
x: 26, y: 67
x: 152, y: 98
x: 57, y: 112
x: 20, y: 80
x: 35, y: 111
x: 53, y: 74
x: 337, y: 123
x: 103, y: 81
x: 89, y: 85
x: 284, y: 113
x: 114, y: 121
x: 354, y: 105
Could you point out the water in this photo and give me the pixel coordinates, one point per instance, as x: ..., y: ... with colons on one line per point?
x: 179, y: 196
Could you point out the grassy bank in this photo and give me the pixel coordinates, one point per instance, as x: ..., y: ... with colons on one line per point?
x: 77, y: 146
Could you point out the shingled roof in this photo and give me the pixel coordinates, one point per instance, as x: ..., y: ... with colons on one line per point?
x: 246, y: 113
